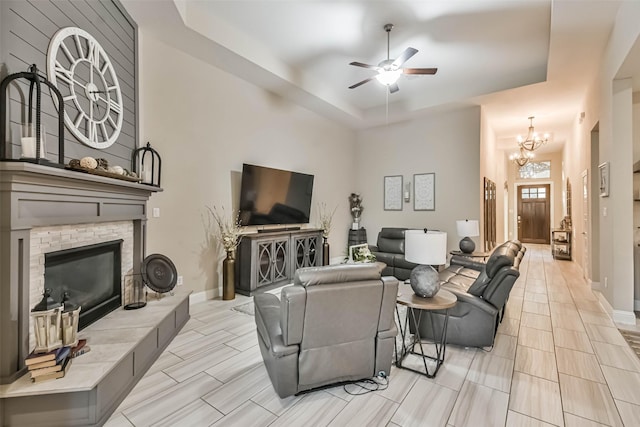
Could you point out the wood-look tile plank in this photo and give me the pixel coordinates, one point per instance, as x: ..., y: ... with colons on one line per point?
x: 629, y: 413
x: 509, y: 327
x: 200, y: 362
x: 244, y: 342
x: 233, y: 394
x: 535, y: 297
x: 180, y: 395
x: 118, y: 420
x: 567, y: 320
x: 579, y: 364
x: 366, y: 410
x: 513, y: 308
x: 537, y: 363
x: 535, y: 338
x: 624, y: 385
x: 166, y: 360
x: 196, y: 414
x: 400, y: 383
x: 589, y: 305
x: 201, y: 345
x: 617, y: 356
x: 191, y: 324
x: 605, y: 334
x: 477, y: 402
x: 269, y: 399
x: 515, y: 419
x: 224, y: 324
x: 148, y: 386
x: 236, y: 365
x: 596, y: 318
x: 571, y: 420
x: 491, y: 371
x: 588, y: 399
x: 536, y: 397
x: 427, y: 404
x: 505, y: 346
x: 536, y: 321
x: 318, y: 408
x: 536, y: 307
x: 249, y: 414
x: 575, y: 340
x: 184, y: 338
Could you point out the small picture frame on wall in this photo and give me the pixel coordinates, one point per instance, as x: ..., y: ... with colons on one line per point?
x: 424, y: 192
x: 393, y: 193
x: 603, y: 171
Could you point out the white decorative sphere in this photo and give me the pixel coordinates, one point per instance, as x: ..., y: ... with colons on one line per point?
x: 88, y: 163
x: 117, y: 169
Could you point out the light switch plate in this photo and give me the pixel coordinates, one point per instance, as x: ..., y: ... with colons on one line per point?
x: 156, y: 212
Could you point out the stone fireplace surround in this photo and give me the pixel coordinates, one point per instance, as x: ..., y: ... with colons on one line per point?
x: 43, y: 209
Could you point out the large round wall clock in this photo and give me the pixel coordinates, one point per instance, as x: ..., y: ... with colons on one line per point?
x: 80, y: 68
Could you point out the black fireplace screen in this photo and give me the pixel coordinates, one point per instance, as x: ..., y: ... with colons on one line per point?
x: 90, y: 274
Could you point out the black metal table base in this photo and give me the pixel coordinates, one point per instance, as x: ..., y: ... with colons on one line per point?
x: 406, y: 349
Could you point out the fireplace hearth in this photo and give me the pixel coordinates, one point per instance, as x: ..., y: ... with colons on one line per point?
x: 91, y: 275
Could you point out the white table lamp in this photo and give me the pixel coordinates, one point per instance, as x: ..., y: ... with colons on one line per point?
x: 427, y: 248
x: 468, y: 228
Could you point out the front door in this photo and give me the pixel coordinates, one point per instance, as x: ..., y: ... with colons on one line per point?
x: 534, y: 213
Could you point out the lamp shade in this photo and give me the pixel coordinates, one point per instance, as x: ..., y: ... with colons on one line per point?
x: 468, y: 228
x: 426, y: 248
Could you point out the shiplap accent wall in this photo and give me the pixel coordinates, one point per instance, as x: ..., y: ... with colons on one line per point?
x: 26, y: 26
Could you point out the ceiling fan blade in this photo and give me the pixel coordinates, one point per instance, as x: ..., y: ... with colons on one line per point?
x: 419, y: 70
x: 360, y: 64
x: 393, y: 88
x: 408, y: 53
x: 362, y: 82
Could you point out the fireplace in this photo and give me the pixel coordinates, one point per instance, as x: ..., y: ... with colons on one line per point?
x: 91, y: 275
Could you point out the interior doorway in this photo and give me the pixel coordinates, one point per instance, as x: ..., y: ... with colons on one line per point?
x: 585, y: 224
x: 534, y: 213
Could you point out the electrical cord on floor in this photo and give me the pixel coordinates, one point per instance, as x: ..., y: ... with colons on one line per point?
x: 379, y: 383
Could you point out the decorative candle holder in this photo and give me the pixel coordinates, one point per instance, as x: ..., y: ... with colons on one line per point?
x: 149, y: 172
x: 70, y: 316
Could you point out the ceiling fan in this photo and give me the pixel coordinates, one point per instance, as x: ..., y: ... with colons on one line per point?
x: 390, y: 70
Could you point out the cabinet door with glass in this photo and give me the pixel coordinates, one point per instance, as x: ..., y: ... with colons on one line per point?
x: 306, y: 252
x: 273, y: 261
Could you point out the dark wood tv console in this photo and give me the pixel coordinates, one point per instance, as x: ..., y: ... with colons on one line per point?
x: 269, y: 259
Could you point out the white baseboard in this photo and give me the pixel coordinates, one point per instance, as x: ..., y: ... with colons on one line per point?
x: 202, y: 296
x: 626, y: 317
x: 618, y: 316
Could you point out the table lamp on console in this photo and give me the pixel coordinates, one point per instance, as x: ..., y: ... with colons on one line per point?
x: 466, y: 229
x: 427, y: 248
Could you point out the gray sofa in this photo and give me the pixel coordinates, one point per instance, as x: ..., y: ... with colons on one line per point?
x: 334, y: 324
x: 482, y: 290
x: 390, y: 250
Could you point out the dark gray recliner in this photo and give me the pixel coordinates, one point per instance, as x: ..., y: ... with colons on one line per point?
x: 334, y: 324
x: 482, y: 290
x: 390, y: 250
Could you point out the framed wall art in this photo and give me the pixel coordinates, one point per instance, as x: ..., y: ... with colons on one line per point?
x: 393, y: 193
x: 603, y: 170
x: 424, y: 192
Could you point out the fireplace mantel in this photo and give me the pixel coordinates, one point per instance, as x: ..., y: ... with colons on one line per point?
x: 32, y: 196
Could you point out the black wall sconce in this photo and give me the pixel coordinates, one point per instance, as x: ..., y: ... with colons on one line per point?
x: 147, y: 173
x: 35, y: 81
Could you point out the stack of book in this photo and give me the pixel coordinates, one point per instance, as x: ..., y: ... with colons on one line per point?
x: 54, y: 364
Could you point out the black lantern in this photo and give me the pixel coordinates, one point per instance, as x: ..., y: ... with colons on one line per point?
x: 33, y: 142
x: 147, y: 172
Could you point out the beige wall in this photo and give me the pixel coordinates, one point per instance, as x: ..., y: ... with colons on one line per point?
x: 445, y: 143
x: 205, y: 123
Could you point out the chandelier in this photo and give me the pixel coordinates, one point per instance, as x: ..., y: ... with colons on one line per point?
x: 533, y: 140
x: 521, y: 158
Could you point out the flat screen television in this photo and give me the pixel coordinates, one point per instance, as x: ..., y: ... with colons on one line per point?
x: 274, y: 196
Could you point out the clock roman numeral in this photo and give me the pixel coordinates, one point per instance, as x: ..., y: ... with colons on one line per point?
x: 113, y: 105
x: 93, y: 131
x: 104, y: 130
x: 78, y: 45
x: 67, y: 52
x: 63, y: 74
x: 78, y: 119
x: 69, y: 98
x: 94, y: 54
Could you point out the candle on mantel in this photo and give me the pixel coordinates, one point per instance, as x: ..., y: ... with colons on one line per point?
x: 146, y: 175
x: 28, y: 146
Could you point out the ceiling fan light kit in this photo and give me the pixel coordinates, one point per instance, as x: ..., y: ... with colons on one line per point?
x: 389, y: 71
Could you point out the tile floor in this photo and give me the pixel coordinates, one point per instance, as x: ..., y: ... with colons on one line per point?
x: 558, y: 361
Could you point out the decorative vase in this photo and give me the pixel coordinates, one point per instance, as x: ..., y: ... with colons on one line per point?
x: 325, y: 251
x: 228, y: 276
x: 424, y: 281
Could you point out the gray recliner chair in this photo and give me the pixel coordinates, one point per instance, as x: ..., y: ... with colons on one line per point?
x: 334, y: 324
